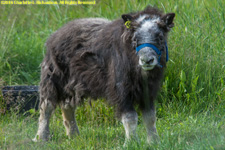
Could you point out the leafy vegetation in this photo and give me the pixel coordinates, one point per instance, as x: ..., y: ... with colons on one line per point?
x: 190, y: 106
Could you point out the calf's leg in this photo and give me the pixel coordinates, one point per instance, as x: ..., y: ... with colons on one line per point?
x: 69, y: 121
x: 129, y: 120
x: 149, y: 119
x: 46, y: 110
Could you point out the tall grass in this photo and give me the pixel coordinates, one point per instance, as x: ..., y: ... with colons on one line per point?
x: 190, y: 106
x: 177, y: 131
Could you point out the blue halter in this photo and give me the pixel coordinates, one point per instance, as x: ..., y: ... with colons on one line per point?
x: 155, y: 49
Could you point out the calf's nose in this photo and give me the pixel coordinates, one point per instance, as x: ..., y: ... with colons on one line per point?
x: 150, y: 60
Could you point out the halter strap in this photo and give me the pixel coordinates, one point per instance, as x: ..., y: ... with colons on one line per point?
x: 148, y: 45
x: 167, y: 53
x: 155, y: 49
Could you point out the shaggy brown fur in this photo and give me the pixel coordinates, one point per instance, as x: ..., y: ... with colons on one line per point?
x: 87, y: 58
x: 96, y: 58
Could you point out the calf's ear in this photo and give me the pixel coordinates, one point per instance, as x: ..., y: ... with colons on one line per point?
x: 168, y: 19
x: 127, y: 20
x: 126, y: 17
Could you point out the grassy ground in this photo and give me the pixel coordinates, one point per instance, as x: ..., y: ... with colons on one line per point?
x: 190, y: 107
x: 204, y: 131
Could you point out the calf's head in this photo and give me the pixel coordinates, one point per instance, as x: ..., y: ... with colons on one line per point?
x: 149, y: 34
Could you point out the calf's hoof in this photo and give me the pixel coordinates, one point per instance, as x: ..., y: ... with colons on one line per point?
x: 153, y: 139
x: 37, y: 138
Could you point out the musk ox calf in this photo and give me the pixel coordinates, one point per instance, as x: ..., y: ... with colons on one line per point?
x: 121, y: 61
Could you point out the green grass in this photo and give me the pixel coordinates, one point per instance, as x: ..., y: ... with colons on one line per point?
x: 190, y: 106
x: 203, y: 131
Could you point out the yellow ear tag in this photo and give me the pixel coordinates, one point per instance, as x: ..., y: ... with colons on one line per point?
x: 127, y: 24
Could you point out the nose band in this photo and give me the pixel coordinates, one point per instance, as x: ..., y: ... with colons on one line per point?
x: 158, y: 52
